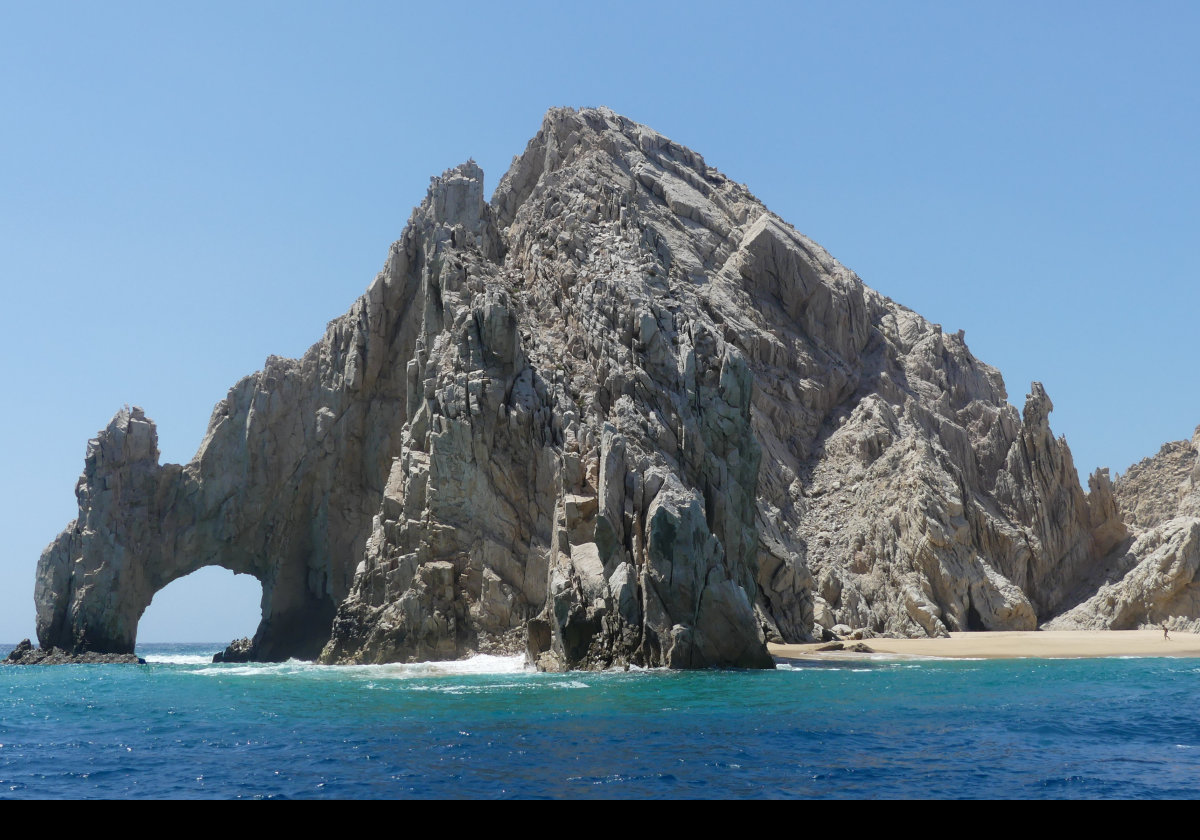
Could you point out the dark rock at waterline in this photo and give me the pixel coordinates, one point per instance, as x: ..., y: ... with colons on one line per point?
x: 239, y: 650
x: 26, y: 654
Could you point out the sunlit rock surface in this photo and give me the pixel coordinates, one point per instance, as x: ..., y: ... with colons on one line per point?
x: 1151, y: 578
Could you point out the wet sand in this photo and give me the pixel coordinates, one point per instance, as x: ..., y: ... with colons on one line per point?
x: 1056, y: 644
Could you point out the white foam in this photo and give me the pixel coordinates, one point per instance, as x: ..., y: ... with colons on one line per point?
x: 571, y: 684
x: 480, y: 664
x: 178, y: 659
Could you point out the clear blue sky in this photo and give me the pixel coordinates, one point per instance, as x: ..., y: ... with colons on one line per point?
x: 188, y: 188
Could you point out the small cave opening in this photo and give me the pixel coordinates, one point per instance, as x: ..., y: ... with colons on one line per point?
x: 974, y: 619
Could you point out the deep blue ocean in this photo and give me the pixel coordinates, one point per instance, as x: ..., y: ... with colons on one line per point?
x: 181, y: 728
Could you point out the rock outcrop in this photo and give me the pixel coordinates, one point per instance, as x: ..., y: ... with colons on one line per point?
x: 621, y: 414
x: 1164, y: 487
x: 26, y: 654
x: 1151, y: 578
x: 577, y: 468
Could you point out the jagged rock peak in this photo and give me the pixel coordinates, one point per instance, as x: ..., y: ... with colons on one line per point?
x: 1037, y: 406
x: 456, y: 198
x: 567, y: 135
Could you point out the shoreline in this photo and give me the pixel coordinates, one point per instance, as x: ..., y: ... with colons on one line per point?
x: 1011, y: 644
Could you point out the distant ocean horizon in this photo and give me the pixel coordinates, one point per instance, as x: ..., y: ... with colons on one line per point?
x: 486, y: 727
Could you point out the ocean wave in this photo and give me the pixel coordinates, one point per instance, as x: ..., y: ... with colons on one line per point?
x: 259, y: 669
x: 480, y: 664
x: 178, y: 659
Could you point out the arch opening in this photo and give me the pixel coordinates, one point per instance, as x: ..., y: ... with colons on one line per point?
x: 211, y: 605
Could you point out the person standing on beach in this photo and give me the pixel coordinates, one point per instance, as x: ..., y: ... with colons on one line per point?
x: 1166, y: 638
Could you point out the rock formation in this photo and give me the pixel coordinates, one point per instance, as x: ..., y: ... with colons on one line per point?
x: 621, y: 414
x: 26, y: 654
x: 1151, y: 578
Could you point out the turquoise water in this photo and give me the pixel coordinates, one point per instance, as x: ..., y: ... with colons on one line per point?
x: 179, y: 727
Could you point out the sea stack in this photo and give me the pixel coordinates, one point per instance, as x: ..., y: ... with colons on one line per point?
x: 621, y: 414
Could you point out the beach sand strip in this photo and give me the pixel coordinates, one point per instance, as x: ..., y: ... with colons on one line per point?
x: 1041, y: 644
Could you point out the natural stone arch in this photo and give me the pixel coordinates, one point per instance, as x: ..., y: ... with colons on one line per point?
x: 284, y: 486
x: 143, y: 525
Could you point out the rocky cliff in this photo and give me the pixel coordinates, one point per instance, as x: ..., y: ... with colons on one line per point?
x: 621, y: 414
x: 1151, y: 577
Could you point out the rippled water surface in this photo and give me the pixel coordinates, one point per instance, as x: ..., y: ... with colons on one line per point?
x: 486, y: 728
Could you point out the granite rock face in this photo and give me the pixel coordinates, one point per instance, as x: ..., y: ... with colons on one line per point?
x: 1151, y: 578
x: 576, y: 472
x: 620, y: 415
x: 1163, y: 487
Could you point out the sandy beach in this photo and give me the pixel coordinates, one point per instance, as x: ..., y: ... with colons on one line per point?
x: 1061, y: 644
